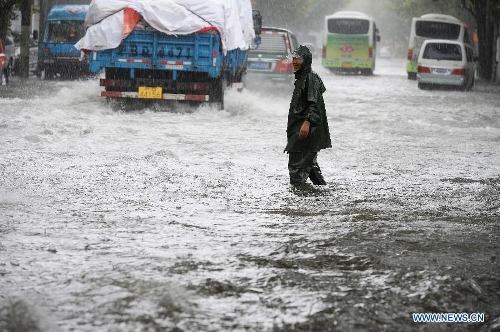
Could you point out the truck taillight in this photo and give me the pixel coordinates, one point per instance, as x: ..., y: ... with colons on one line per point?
x: 460, y: 71
x: 199, y: 87
x: 106, y: 82
x: 284, y: 65
x: 410, y: 53
x: 422, y: 69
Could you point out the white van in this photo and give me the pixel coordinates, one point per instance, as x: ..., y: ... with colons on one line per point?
x: 446, y: 62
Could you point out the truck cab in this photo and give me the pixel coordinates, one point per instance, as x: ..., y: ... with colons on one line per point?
x: 58, y: 56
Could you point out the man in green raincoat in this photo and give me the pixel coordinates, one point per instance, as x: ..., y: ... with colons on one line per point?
x: 307, y: 128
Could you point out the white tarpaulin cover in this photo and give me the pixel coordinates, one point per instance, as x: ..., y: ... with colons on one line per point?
x: 108, y: 22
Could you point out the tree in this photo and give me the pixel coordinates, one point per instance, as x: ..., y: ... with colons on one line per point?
x: 487, y: 15
x: 7, y: 14
x: 296, y: 15
x: 284, y: 14
x: 25, y: 7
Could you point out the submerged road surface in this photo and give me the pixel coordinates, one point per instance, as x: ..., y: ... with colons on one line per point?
x: 174, y: 217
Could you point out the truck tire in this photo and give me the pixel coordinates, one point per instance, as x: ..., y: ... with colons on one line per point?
x: 217, y: 92
x: 38, y: 72
x: 48, y: 74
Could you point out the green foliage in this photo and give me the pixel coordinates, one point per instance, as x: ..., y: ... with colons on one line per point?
x: 416, y: 8
x: 283, y: 13
x: 297, y: 15
x: 6, y: 15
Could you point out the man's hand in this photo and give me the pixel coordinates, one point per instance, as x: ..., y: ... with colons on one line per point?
x: 304, y: 130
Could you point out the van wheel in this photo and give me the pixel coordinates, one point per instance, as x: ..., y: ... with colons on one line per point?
x: 425, y: 86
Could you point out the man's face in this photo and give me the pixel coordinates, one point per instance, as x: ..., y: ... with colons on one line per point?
x: 297, y: 63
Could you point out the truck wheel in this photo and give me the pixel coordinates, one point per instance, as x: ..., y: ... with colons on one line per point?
x: 48, y: 74
x: 217, y: 92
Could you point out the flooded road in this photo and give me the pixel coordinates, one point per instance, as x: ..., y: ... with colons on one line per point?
x: 180, y: 218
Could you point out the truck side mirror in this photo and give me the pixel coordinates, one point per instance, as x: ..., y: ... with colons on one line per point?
x: 35, y: 34
x: 257, y: 21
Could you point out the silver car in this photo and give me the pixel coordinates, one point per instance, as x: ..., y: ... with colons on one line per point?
x: 33, y: 57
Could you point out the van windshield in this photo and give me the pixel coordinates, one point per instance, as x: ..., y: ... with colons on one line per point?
x: 64, y: 31
x: 442, y: 51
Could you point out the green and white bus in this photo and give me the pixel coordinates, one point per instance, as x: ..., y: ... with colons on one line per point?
x: 350, y: 42
x: 432, y: 26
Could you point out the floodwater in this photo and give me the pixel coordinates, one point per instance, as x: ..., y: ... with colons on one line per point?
x: 180, y: 218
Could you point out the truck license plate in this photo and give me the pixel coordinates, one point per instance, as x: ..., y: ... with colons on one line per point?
x: 150, y: 92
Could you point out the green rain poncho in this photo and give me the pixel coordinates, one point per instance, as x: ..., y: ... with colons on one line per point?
x: 307, y: 104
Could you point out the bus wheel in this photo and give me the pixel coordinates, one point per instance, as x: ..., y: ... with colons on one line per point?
x: 367, y: 72
x: 424, y: 86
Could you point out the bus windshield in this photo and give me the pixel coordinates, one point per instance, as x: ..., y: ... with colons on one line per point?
x: 348, y: 26
x: 437, y: 30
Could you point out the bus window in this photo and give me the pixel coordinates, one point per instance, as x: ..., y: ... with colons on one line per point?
x: 437, y: 30
x: 348, y: 26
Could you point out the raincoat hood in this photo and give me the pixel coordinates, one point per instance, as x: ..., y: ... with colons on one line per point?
x: 305, y: 53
